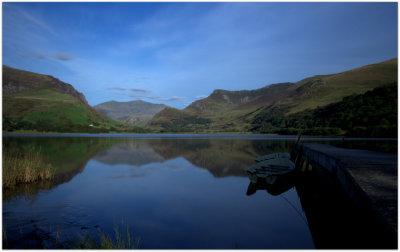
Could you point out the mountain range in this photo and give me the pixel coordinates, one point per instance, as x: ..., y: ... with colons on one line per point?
x: 39, y: 102
x: 241, y: 111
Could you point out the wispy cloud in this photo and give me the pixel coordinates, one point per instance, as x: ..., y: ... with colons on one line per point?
x: 24, y: 28
x: 142, y: 90
x: 158, y: 98
x: 173, y: 98
x: 142, y: 93
x: 63, y: 56
x: 189, y: 49
x: 201, y: 96
x: 42, y: 55
x: 33, y: 20
x: 33, y: 54
x: 152, y: 97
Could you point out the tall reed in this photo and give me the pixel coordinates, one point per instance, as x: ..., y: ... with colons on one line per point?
x: 121, y: 240
x: 24, y: 167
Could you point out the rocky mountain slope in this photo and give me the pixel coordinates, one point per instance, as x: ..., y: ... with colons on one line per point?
x: 133, y: 112
x: 233, y: 111
x: 43, y: 103
x: 15, y: 81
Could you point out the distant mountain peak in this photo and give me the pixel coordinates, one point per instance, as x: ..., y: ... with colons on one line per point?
x: 136, y: 112
x: 225, y: 110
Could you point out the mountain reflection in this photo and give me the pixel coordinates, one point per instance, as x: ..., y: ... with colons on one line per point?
x: 69, y: 155
x: 135, y: 153
x: 333, y: 219
x: 220, y: 157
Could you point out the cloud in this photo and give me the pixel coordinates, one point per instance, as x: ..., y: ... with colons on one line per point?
x: 142, y: 90
x: 142, y: 93
x: 173, y: 98
x: 25, y: 28
x: 158, y: 98
x: 41, y: 55
x: 152, y: 97
x: 33, y: 54
x: 31, y: 19
x: 201, y: 96
x: 62, y: 56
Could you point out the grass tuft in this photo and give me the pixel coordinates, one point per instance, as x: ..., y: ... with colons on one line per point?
x: 24, y: 167
x: 121, y: 240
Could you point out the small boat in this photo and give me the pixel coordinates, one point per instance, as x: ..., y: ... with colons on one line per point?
x: 272, y: 156
x: 274, y: 185
x: 271, y: 167
x: 272, y: 172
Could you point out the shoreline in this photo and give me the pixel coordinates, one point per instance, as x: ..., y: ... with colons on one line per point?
x: 165, y: 135
x: 196, y: 135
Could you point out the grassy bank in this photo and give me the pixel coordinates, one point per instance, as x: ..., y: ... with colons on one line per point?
x: 46, y: 238
x: 122, y: 240
x: 24, y: 167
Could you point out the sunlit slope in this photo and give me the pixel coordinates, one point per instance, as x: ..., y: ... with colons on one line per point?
x: 48, y: 110
x: 15, y: 80
x: 322, y: 90
x: 39, y: 102
x: 224, y: 100
x: 236, y: 110
x: 222, y: 111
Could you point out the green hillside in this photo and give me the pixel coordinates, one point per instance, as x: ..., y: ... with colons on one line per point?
x: 373, y: 114
x: 175, y: 120
x: 322, y: 90
x: 47, y: 110
x: 222, y: 111
x: 15, y: 80
x: 237, y: 111
x: 35, y: 102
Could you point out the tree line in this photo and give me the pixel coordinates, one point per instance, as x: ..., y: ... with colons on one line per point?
x: 372, y: 114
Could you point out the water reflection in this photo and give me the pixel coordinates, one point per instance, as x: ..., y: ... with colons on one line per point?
x: 126, y: 151
x: 335, y: 221
x: 274, y: 185
x: 172, y: 188
x: 68, y: 156
x: 221, y: 158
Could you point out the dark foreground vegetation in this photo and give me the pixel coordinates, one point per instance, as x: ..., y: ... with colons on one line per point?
x: 24, y: 167
x: 43, y: 239
x: 373, y: 114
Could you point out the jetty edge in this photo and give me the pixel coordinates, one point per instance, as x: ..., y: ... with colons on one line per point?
x: 369, y: 178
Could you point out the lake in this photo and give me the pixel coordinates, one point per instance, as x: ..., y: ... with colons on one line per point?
x: 179, y: 192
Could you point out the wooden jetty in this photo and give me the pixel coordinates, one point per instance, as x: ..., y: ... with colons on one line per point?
x: 368, y: 177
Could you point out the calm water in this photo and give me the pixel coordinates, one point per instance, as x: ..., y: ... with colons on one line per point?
x: 178, y: 192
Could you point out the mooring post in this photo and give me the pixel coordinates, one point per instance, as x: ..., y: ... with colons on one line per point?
x: 294, y: 154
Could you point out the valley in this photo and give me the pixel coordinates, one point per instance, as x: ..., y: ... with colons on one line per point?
x: 40, y: 103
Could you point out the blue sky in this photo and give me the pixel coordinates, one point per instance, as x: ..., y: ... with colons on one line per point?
x: 176, y: 53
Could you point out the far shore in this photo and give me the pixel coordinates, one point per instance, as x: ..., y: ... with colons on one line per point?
x: 191, y: 135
